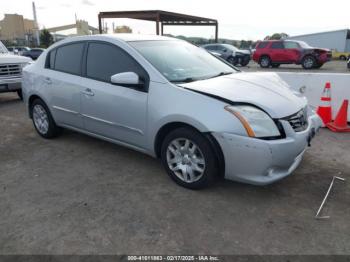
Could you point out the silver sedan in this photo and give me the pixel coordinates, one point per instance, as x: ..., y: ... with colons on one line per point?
x: 174, y: 101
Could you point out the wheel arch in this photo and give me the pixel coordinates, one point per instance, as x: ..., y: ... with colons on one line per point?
x: 264, y: 55
x: 168, y: 127
x: 31, y: 99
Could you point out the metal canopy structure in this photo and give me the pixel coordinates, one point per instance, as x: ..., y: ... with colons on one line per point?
x: 162, y: 18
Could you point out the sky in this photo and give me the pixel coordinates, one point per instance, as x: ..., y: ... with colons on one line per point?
x: 248, y: 20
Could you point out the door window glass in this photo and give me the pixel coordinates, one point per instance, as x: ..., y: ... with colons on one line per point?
x: 291, y: 45
x: 277, y: 45
x: 105, y: 60
x: 68, y: 58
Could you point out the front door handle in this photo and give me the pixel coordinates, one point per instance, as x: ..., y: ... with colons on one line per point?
x: 88, y: 92
x: 48, y: 80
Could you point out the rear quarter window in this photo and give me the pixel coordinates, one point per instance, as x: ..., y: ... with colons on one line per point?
x: 50, y: 59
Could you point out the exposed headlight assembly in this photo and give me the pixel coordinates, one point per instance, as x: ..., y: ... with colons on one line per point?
x: 255, y: 121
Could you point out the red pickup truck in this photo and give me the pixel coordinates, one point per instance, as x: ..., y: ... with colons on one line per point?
x: 276, y: 52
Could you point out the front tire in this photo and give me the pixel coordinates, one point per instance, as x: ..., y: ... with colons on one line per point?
x: 342, y: 57
x: 189, y: 158
x: 232, y: 60
x: 245, y: 61
x: 318, y: 66
x: 43, y: 121
x: 309, y: 62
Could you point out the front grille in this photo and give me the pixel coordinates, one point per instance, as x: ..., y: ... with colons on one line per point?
x: 7, y: 70
x: 298, y: 121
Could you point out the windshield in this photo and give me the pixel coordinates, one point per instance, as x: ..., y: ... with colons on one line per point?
x: 303, y: 44
x: 180, y: 61
x: 3, y: 49
x: 231, y: 47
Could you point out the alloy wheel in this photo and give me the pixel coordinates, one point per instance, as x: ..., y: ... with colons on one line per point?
x: 308, y: 62
x: 40, y: 118
x: 185, y: 160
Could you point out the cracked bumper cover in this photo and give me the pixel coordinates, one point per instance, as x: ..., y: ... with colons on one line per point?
x: 261, y: 162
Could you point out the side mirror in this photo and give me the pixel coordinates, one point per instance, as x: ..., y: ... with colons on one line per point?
x: 129, y: 79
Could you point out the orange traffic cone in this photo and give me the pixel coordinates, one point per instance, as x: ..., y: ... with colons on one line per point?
x: 325, y: 109
x: 340, y: 123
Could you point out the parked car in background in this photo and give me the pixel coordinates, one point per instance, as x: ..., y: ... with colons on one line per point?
x: 230, y: 53
x: 33, y: 53
x: 12, y: 50
x: 215, y: 54
x: 170, y: 99
x: 340, y: 55
x: 348, y: 62
x: 20, y: 49
x: 11, y: 71
x: 276, y: 52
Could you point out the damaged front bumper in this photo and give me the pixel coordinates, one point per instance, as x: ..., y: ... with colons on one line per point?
x: 260, y: 162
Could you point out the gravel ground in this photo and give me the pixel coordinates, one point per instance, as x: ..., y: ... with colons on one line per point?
x: 79, y: 195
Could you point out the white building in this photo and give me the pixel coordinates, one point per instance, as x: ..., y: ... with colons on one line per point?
x: 338, y: 40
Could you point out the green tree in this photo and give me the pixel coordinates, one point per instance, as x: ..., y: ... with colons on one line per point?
x: 277, y: 36
x: 46, y: 39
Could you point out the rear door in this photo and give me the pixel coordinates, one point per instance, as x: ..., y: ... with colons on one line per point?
x: 113, y: 111
x: 292, y: 51
x: 277, y: 52
x: 62, y: 80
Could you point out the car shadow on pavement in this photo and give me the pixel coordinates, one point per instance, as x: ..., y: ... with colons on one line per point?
x: 8, y: 100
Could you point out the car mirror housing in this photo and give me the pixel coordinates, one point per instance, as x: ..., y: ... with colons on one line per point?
x: 129, y: 79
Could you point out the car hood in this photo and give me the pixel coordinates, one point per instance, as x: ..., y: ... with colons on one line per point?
x: 246, y: 52
x: 318, y: 49
x: 265, y: 90
x: 13, y: 59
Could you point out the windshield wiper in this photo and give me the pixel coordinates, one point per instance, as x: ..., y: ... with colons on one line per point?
x: 221, y: 74
x: 185, y: 80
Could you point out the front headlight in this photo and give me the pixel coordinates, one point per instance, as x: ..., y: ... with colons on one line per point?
x: 256, y: 122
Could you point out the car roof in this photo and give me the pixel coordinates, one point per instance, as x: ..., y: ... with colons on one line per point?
x: 123, y: 37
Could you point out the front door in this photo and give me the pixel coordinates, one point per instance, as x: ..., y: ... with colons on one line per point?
x: 292, y: 51
x: 113, y: 111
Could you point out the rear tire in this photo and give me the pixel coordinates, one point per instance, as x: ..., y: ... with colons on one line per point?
x: 189, y: 158
x: 43, y: 121
x: 309, y: 62
x: 265, y: 62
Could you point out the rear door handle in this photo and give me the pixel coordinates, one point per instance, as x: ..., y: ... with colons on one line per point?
x: 88, y: 92
x: 48, y: 80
